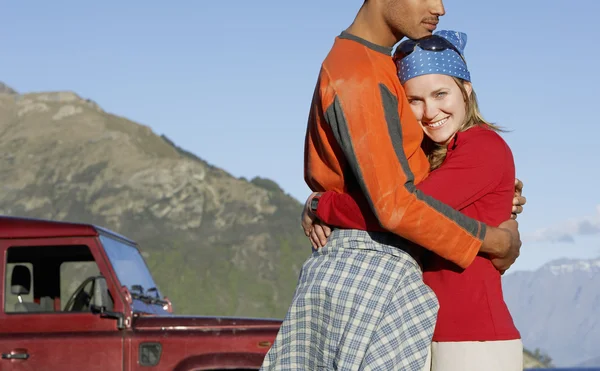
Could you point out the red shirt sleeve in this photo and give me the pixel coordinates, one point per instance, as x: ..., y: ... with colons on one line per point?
x: 472, y: 169
x: 342, y: 210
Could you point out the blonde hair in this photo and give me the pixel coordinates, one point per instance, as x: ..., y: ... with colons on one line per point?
x: 436, y: 153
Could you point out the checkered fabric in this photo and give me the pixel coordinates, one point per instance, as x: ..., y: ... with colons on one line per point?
x: 360, y: 304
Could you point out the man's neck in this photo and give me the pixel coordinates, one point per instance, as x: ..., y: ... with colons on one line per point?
x: 369, y: 25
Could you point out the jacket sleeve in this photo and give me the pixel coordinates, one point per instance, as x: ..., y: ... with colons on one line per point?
x: 342, y: 210
x: 472, y: 171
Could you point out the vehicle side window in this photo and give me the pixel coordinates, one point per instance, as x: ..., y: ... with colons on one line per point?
x: 49, y: 279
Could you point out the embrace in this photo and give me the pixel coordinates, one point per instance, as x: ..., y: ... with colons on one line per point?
x: 412, y: 219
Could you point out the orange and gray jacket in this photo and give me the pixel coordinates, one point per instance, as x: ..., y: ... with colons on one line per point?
x: 363, y: 138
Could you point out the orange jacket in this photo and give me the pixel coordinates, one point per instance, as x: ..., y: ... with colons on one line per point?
x: 362, y: 136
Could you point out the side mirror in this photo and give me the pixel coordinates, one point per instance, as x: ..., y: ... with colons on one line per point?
x: 100, y: 298
x: 168, y: 305
x: 101, y: 303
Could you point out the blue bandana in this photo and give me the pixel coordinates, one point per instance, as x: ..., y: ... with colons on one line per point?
x: 446, y: 62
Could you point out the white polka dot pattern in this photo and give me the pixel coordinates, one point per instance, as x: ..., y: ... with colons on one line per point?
x: 446, y: 62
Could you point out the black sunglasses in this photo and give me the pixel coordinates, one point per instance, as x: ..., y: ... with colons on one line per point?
x: 432, y: 43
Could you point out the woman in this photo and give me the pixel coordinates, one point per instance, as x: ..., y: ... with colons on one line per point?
x: 472, y: 171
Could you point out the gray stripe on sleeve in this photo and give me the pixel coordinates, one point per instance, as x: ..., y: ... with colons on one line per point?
x: 334, y: 115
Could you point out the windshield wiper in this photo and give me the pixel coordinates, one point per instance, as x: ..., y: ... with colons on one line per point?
x: 154, y: 290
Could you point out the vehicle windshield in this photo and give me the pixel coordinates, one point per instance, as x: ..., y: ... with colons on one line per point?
x: 130, y: 267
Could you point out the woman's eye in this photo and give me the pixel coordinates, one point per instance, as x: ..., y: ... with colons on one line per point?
x: 441, y: 94
x: 413, y: 101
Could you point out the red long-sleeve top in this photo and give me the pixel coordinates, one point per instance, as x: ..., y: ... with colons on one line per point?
x: 476, y: 178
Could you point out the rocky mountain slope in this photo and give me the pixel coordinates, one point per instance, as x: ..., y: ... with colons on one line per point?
x: 556, y: 308
x: 216, y: 244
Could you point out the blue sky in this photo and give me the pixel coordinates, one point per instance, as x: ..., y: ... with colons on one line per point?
x: 233, y: 85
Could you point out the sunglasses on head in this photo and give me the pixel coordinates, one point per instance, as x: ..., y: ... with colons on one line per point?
x: 431, y: 43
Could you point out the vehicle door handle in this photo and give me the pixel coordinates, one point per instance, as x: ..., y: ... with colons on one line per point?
x: 16, y: 354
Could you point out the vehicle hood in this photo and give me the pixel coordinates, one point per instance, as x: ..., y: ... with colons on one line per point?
x: 200, y: 323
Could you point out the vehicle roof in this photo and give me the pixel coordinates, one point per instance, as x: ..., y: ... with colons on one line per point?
x: 12, y: 227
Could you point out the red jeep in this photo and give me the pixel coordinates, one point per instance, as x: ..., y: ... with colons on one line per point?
x: 80, y: 297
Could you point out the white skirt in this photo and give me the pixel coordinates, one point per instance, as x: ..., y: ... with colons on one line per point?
x: 506, y: 355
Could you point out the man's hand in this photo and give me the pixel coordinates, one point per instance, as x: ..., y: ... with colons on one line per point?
x: 519, y: 201
x: 503, y: 259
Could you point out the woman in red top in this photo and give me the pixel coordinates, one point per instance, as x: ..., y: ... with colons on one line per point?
x: 472, y: 171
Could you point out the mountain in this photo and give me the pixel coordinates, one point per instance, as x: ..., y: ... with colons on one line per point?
x: 556, y: 309
x: 535, y: 360
x: 5, y: 89
x: 216, y: 244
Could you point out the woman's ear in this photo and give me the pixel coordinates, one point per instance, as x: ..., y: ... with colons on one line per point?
x: 468, y: 88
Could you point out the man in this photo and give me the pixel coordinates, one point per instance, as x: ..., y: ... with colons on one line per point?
x: 360, y: 303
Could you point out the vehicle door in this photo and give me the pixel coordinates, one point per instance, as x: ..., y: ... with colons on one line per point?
x: 46, y: 320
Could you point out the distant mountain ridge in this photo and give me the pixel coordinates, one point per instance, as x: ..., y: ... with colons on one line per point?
x: 564, y: 266
x: 556, y: 308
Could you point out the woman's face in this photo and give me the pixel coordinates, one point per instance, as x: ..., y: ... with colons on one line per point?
x: 438, y: 104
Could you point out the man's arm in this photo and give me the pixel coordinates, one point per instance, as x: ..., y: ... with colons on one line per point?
x: 342, y: 209
x: 366, y: 123
x: 352, y: 216
x: 474, y: 170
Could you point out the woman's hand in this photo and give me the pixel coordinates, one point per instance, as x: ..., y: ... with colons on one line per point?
x: 319, y: 234
x: 314, y: 229
x: 519, y: 201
